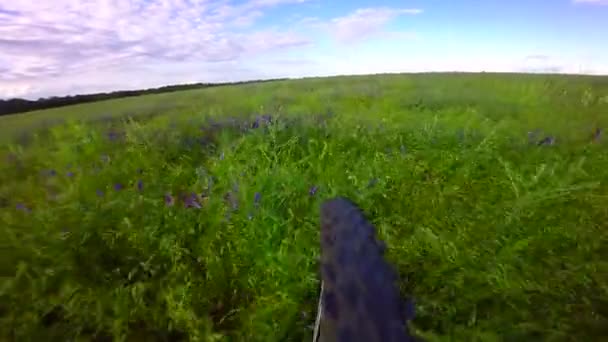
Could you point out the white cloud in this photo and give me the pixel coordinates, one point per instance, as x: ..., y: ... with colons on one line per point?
x: 276, y: 2
x: 542, y: 63
x: 17, y: 89
x: 62, y: 39
x: 362, y: 23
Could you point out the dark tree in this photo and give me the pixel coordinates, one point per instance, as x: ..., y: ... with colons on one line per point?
x: 13, y: 106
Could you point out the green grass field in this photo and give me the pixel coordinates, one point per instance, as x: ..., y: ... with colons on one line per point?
x: 496, y: 237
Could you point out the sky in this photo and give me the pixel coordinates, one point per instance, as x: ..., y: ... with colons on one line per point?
x: 61, y: 47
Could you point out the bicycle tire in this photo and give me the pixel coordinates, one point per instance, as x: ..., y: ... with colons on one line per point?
x: 360, y: 300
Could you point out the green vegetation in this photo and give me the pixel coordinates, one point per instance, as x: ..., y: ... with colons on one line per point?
x: 497, y: 237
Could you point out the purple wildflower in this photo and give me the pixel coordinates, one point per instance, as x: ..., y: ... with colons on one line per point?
x: 140, y: 185
x: 118, y: 187
x: 70, y: 174
x: 547, y: 141
x: 262, y: 120
x: 113, y: 135
x: 313, y: 190
x: 191, y: 201
x: 21, y: 207
x: 99, y: 193
x: 257, y: 198
x: 169, y: 200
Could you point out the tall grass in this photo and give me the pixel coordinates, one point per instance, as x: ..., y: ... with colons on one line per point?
x: 188, y: 224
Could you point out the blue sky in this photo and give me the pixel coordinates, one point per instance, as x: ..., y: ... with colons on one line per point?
x: 74, y: 46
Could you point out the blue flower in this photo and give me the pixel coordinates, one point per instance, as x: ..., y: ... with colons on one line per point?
x: 169, y: 200
x: 118, y: 187
x: 113, y: 135
x: 313, y: 190
x: 262, y: 120
x: 547, y: 141
x: 99, y: 193
x: 140, y: 185
x: 70, y: 174
x: 257, y: 198
x: 191, y: 201
x: 22, y: 207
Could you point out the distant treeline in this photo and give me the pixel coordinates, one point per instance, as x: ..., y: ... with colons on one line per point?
x: 13, y: 106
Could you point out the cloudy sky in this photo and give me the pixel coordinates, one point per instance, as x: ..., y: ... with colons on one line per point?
x: 59, y: 47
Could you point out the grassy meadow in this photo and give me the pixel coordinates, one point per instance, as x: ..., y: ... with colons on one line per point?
x: 186, y: 216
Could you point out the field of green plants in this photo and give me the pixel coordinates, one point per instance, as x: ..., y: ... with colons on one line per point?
x: 193, y: 215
